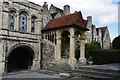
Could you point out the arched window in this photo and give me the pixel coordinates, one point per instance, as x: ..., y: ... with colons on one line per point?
x: 23, y: 22
x: 33, y: 18
x: 11, y: 20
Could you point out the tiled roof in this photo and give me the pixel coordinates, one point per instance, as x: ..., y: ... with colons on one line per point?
x: 75, y: 19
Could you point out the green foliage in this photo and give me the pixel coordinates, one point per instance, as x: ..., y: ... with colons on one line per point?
x: 105, y: 56
x: 90, y: 58
x: 116, y: 43
x: 90, y: 46
x: 77, y: 49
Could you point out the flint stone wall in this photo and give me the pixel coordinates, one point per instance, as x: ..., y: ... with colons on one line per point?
x: 48, y: 49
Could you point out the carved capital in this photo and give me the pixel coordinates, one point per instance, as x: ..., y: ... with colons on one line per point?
x: 72, y: 36
x: 58, y: 38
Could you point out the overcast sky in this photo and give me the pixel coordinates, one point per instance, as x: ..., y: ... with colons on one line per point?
x: 103, y: 12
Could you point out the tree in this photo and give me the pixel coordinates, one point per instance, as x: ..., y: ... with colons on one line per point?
x: 90, y: 46
x: 116, y: 43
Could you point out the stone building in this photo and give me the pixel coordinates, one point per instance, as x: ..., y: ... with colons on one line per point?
x: 20, y: 35
x: 64, y: 36
x: 33, y: 36
x: 99, y: 34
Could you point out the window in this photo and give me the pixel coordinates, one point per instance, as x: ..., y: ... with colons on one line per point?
x: 33, y: 18
x: 23, y: 22
x: 11, y: 18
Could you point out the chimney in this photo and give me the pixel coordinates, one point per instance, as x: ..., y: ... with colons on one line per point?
x: 75, y: 12
x: 66, y: 9
x: 89, y: 23
x: 1, y: 1
x: 45, y: 6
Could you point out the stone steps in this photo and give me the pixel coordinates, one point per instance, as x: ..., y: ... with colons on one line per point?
x: 90, y: 76
x: 96, y: 73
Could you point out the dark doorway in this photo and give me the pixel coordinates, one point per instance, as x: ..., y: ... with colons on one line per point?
x: 65, y: 44
x: 20, y: 58
x: 77, y: 46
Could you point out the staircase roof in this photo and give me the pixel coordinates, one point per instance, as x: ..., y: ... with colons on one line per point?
x: 74, y: 19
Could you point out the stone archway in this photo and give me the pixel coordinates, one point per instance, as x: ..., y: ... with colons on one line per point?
x: 20, y: 58
x: 77, y: 45
x: 65, y: 44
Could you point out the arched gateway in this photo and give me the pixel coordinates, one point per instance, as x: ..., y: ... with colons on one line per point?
x: 20, y: 58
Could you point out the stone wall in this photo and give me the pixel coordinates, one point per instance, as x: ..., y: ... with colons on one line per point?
x: 48, y: 49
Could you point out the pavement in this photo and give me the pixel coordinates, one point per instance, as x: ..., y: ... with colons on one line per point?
x: 113, y: 66
x: 43, y: 74
x: 30, y: 74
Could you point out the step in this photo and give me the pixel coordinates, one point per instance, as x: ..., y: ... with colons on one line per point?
x: 97, y: 69
x: 90, y: 76
x: 113, y: 74
x: 97, y: 72
x: 110, y: 75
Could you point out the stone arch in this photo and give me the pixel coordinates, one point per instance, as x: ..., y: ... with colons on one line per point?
x: 12, y: 9
x: 33, y: 15
x: 12, y: 15
x: 65, y: 44
x: 77, y: 45
x: 20, y: 57
x: 23, y: 10
x: 23, y: 21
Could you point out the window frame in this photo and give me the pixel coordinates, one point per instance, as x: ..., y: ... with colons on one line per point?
x: 33, y: 18
x: 23, y: 19
x: 12, y: 20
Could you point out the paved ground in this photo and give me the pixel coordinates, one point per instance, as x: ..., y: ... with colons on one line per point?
x: 30, y: 74
x: 113, y: 66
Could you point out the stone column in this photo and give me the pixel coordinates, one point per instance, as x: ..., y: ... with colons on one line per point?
x: 44, y: 35
x: 0, y: 15
x: 17, y: 23
x: 2, y: 57
x: 72, y: 59
x: 82, y: 50
x: 29, y: 25
x: 58, y: 48
x: 37, y: 25
x: 34, y: 65
x: 2, y: 65
x: 39, y: 53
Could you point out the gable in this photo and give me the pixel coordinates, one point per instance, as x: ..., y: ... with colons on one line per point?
x: 75, y: 19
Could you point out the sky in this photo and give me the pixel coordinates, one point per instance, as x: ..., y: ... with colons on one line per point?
x: 103, y: 12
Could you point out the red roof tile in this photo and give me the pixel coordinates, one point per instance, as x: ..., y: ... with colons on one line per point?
x: 68, y: 20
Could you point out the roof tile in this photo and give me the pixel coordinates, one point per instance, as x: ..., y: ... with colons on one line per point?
x: 68, y: 20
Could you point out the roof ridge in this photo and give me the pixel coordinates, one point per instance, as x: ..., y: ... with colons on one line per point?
x: 56, y: 7
x: 67, y: 20
x: 103, y: 27
x: 77, y: 14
